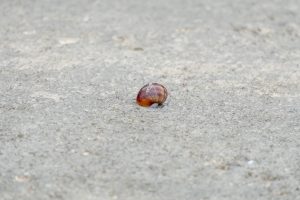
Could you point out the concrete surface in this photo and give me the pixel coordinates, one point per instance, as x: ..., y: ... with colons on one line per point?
x: 69, y: 125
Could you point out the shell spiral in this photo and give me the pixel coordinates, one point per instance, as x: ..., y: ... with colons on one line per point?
x: 152, y: 93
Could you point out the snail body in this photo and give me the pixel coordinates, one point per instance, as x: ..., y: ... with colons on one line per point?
x: 152, y: 93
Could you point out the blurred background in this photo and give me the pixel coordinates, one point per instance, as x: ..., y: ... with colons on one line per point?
x: 70, y: 72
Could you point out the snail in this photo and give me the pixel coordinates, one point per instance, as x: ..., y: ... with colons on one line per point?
x: 152, y: 93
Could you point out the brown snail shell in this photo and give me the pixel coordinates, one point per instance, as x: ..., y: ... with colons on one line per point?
x: 152, y: 93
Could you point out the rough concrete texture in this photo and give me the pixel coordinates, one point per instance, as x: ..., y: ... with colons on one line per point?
x: 70, y: 72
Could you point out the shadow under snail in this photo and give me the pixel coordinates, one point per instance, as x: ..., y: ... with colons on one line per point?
x: 152, y: 93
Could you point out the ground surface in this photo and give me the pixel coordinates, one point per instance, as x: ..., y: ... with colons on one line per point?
x: 69, y: 125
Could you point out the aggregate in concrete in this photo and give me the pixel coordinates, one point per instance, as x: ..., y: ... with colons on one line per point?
x: 70, y: 72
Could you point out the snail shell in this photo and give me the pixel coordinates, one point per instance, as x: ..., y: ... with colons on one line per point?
x: 152, y: 93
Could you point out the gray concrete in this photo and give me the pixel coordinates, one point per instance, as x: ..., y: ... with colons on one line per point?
x: 69, y: 125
